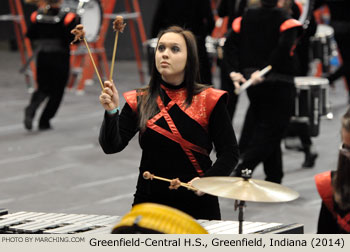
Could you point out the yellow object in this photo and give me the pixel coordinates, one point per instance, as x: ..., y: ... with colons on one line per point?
x: 160, y: 218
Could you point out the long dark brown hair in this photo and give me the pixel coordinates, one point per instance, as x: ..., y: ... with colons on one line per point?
x: 341, y: 180
x: 147, y: 102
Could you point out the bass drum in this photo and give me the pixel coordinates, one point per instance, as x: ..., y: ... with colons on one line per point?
x: 90, y: 12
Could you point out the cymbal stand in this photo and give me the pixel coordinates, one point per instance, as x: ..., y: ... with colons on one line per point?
x: 240, y: 205
x: 246, y: 175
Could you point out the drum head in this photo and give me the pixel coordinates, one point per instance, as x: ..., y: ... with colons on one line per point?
x: 91, y: 18
x: 303, y: 82
x: 324, y: 31
x: 90, y: 12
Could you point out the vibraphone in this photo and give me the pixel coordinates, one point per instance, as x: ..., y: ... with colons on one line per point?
x: 59, y: 223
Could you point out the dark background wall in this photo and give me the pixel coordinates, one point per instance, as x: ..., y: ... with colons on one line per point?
x: 125, y: 50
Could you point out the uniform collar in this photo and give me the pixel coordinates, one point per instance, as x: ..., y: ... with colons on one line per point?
x: 168, y: 86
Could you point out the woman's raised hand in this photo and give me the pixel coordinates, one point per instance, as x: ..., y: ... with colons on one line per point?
x: 109, y: 97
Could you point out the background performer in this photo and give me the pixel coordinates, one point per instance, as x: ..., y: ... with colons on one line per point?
x: 49, y: 30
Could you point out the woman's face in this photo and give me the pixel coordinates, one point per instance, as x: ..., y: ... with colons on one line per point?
x: 171, y: 57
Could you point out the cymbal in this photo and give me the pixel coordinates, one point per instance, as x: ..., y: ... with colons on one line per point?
x: 247, y: 190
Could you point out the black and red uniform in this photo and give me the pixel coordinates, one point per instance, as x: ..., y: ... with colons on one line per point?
x: 332, y: 219
x: 264, y: 36
x: 51, y: 34
x: 176, y: 144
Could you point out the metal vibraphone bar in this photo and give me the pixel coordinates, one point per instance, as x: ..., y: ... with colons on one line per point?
x: 55, y: 223
x: 231, y: 227
x: 60, y: 223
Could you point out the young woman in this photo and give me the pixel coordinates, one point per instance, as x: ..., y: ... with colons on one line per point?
x: 179, y: 121
x: 334, y: 189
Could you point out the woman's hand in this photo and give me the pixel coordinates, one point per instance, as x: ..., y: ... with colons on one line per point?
x: 199, y: 193
x: 109, y: 97
x: 175, y: 184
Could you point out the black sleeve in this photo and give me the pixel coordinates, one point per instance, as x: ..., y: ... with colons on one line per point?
x: 231, y: 52
x: 327, y: 224
x: 117, y: 130
x: 285, y: 44
x: 224, y: 139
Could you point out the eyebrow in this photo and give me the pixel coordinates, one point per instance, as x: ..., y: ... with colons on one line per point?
x: 170, y: 43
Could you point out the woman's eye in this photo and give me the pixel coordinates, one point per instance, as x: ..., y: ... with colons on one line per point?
x: 161, y: 48
x: 175, y: 49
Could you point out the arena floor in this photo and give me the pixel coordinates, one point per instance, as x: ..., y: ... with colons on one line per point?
x: 65, y: 171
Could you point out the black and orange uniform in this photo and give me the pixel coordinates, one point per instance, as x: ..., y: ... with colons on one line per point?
x: 302, y: 51
x: 176, y: 144
x: 193, y: 15
x: 332, y: 219
x: 230, y: 9
x: 303, y: 48
x: 264, y: 36
x: 50, y: 33
x: 340, y: 21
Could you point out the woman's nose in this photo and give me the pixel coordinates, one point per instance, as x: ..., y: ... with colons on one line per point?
x: 165, y: 53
